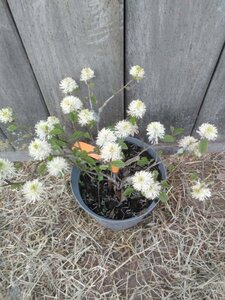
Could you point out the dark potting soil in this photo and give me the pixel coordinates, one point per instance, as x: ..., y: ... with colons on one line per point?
x: 101, y: 198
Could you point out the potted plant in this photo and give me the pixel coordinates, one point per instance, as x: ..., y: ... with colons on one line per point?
x: 115, y: 178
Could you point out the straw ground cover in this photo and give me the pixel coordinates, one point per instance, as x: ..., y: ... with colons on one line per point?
x: 52, y: 250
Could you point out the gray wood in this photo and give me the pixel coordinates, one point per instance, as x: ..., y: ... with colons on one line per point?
x: 213, y: 108
x: 4, y: 143
x: 62, y: 37
x: 178, y: 44
x: 15, y: 156
x: 18, y: 88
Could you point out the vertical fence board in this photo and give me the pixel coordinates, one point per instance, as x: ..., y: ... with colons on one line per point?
x: 213, y: 108
x: 178, y: 43
x: 18, y: 87
x: 62, y: 37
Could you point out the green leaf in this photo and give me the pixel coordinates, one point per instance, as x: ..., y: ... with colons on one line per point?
x: 180, y: 151
x: 80, y: 134
x: 133, y: 120
x: 178, y: 131
x: 100, y: 178
x: 56, y: 131
x: 165, y: 184
x: 123, y: 145
x: 144, y: 161
x: 203, y: 146
x: 168, y: 138
x: 73, y: 117
x: 194, y: 176
x: 118, y: 163
x: 104, y: 167
x: 128, y: 191
x: 15, y: 185
x: 94, y: 100
x: 11, y: 128
x: 42, y: 169
x: 18, y: 165
x: 163, y: 197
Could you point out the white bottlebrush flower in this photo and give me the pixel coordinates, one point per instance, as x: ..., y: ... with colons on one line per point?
x: 137, y: 72
x: 7, y: 169
x: 124, y: 129
x: 87, y: 74
x: 141, y: 180
x: 70, y: 104
x: 155, y: 130
x: 208, y: 131
x: 33, y: 190
x: 136, y: 109
x: 68, y: 85
x: 39, y: 149
x: 152, y: 191
x: 105, y: 136
x: 52, y: 120
x: 57, y: 166
x: 42, y: 129
x: 200, y: 191
x: 188, y: 143
x: 85, y: 117
x: 6, y: 115
x: 111, y: 152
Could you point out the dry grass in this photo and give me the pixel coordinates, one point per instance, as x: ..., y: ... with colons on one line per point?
x: 52, y: 250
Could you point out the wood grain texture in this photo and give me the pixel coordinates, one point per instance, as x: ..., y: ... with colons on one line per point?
x: 62, y: 37
x: 18, y: 87
x: 178, y: 44
x: 213, y: 108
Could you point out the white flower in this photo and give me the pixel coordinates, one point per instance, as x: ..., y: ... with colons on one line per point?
x: 57, y: 166
x: 85, y: 117
x: 188, y: 143
x: 155, y: 130
x: 152, y: 191
x: 200, y: 191
x: 39, y: 149
x: 208, y: 131
x: 33, y: 190
x: 124, y: 128
x: 136, y: 108
x: 68, y: 85
x: 87, y: 74
x: 70, y: 104
x: 105, y: 136
x: 111, y: 152
x: 141, y: 180
x: 52, y: 120
x: 42, y: 129
x: 7, y: 169
x: 6, y: 115
x: 137, y: 72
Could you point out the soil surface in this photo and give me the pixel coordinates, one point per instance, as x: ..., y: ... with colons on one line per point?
x: 101, y: 197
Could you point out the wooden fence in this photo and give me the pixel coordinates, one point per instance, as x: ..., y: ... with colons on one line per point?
x: 180, y: 44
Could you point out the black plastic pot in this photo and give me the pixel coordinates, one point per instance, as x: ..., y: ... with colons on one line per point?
x: 110, y: 223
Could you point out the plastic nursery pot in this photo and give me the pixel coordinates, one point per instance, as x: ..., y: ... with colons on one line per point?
x: 111, y: 223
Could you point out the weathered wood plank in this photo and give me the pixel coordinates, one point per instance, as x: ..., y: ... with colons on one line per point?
x: 18, y: 87
x: 213, y: 108
x: 178, y: 43
x: 4, y: 144
x: 62, y: 37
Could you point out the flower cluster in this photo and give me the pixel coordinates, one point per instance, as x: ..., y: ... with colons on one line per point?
x: 145, y: 183
x: 54, y: 149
